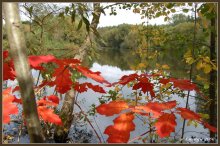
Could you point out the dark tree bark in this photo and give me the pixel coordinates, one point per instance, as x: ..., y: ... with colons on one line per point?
x: 23, y: 73
x: 61, y: 132
x: 212, y: 80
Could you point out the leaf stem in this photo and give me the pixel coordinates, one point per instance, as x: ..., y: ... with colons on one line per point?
x: 89, y: 122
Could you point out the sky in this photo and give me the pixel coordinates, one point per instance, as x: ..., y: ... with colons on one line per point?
x: 123, y: 16
x: 129, y: 17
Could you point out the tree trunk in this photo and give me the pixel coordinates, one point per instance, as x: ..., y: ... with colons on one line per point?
x: 66, y: 114
x: 23, y: 73
x: 61, y: 132
x: 212, y: 80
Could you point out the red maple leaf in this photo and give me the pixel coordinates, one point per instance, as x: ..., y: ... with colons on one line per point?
x: 8, y: 106
x: 164, y: 81
x: 127, y: 78
x: 80, y: 87
x: 48, y: 115
x: 138, y: 111
x: 67, y: 62
x: 188, y: 114
x: 90, y: 74
x: 63, y: 82
x: 84, y: 86
x: 156, y: 108
x: 120, y: 131
x: 36, y: 61
x: 96, y: 88
x: 144, y: 85
x: 53, y: 98
x: 165, y: 124
x: 44, y: 102
x: 17, y: 88
x: 211, y: 128
x: 111, y: 108
x: 8, y: 71
x: 183, y: 84
x: 5, y: 54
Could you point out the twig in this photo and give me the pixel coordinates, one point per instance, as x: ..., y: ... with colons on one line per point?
x: 140, y: 136
x: 97, y: 126
x: 191, y: 69
x: 89, y: 122
x: 38, y: 78
x: 19, y: 135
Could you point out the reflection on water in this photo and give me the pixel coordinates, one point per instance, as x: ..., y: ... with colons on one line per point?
x: 112, y: 74
x: 126, y: 59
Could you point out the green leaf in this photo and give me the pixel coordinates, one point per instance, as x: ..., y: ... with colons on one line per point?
x: 190, y: 4
x: 185, y: 10
x: 80, y: 24
x: 67, y: 10
x: 206, y: 86
x: 166, y: 18
x: 158, y: 14
x: 173, y: 10
x: 86, y: 21
x: 169, y: 5
x: 73, y: 15
x: 31, y: 9
x: 61, y: 14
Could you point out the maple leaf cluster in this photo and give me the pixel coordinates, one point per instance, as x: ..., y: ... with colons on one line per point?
x: 62, y: 73
x: 165, y: 121
x: 163, y: 113
x: 62, y: 81
x: 9, y: 105
x: 155, y: 108
x: 45, y: 107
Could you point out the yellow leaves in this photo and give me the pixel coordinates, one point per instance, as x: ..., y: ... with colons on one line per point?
x: 203, y: 62
x: 211, y: 7
x: 204, y: 21
x: 136, y: 10
x: 207, y: 68
x: 164, y: 66
x: 140, y: 66
x: 117, y: 89
x: 199, y: 65
x: 206, y: 64
x: 188, y: 57
x: 168, y: 85
x: 203, y: 81
x: 192, y: 122
x: 204, y: 116
x: 198, y: 78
